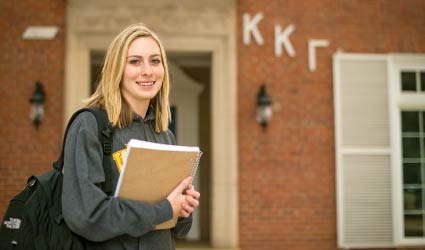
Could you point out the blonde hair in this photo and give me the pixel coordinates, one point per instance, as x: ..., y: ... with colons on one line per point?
x: 108, y: 93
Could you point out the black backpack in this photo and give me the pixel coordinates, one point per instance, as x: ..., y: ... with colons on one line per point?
x: 34, y: 217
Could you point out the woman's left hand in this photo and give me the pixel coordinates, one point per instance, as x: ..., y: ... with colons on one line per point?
x: 192, y: 198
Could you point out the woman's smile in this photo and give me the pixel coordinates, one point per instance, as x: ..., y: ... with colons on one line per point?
x: 146, y: 83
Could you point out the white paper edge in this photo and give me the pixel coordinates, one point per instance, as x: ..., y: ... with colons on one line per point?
x: 158, y: 146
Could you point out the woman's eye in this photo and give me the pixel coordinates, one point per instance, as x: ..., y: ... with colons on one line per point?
x: 156, y: 61
x: 134, y: 61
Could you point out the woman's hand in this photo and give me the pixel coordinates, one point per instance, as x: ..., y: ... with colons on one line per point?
x: 192, y: 198
x: 184, y: 198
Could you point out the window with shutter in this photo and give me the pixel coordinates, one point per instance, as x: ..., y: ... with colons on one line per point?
x: 380, y: 149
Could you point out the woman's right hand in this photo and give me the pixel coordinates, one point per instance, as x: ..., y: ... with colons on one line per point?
x: 178, y: 199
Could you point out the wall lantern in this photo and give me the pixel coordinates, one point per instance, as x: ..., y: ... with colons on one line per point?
x: 37, y: 104
x: 264, y: 110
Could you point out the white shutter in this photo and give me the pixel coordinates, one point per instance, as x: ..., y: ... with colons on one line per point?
x: 363, y: 156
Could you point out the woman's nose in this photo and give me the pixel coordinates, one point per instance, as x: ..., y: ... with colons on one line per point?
x: 146, y: 69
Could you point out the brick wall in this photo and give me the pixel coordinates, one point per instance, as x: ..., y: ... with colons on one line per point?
x: 25, y: 150
x: 287, y: 197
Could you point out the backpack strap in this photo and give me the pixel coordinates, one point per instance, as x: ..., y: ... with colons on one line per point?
x: 105, y: 131
x: 105, y: 136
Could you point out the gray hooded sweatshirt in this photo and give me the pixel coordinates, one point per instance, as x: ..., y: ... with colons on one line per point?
x: 105, y: 221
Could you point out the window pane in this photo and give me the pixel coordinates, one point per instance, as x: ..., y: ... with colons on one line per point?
x: 411, y: 147
x: 423, y: 148
x: 423, y: 81
x: 412, y: 173
x: 412, y: 199
x: 413, y: 225
x: 423, y: 122
x: 410, y: 121
x: 408, y: 81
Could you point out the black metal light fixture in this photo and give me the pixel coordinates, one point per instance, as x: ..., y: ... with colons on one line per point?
x: 37, y: 104
x: 264, y: 110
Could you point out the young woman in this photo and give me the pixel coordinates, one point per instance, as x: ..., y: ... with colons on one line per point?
x: 134, y: 90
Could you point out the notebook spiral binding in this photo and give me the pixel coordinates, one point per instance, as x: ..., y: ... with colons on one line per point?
x: 196, y: 165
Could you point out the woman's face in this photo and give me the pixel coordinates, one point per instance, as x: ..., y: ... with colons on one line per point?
x: 143, y: 71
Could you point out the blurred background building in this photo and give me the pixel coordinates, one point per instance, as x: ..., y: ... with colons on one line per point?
x: 339, y: 165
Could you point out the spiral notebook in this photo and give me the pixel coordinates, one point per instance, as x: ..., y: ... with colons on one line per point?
x: 152, y: 170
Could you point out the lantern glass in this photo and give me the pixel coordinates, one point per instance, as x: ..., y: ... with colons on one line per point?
x: 37, y: 112
x: 264, y: 111
x: 264, y: 114
x: 37, y: 104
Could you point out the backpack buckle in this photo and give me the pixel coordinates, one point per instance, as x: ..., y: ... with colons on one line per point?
x: 107, y: 148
